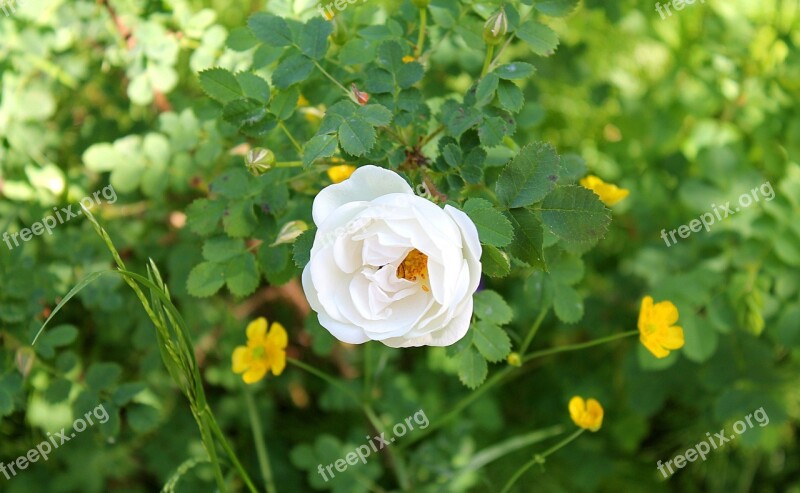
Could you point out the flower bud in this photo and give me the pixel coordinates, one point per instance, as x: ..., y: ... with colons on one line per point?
x: 289, y: 232
x: 259, y: 160
x: 361, y: 97
x: 514, y: 359
x: 496, y: 28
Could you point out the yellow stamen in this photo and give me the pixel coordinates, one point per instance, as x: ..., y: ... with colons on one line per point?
x: 415, y: 265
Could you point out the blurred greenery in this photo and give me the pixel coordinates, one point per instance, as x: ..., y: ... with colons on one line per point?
x: 684, y: 112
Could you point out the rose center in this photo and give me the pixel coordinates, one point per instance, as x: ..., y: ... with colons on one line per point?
x: 415, y: 266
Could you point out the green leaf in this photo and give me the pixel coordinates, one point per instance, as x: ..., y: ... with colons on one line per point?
x: 472, y: 368
x: 529, y: 177
x: 516, y: 70
x: 356, y: 52
x: 556, y: 8
x: 205, y: 279
x: 492, y: 341
x: 491, y: 307
x: 254, y: 87
x: 127, y: 391
x: 510, y: 96
x: 567, y: 303
x: 142, y: 417
x: 242, y: 275
x: 220, y: 85
x: 701, y: 339
x: 301, y: 249
x: 291, y: 70
x: 376, y: 114
x: 270, y: 29
x: 203, y: 215
x: 542, y: 40
x: 487, y: 86
x: 243, y: 111
x: 528, y: 237
x: 222, y: 248
x: 494, y: 262
x: 575, y: 214
x: 319, y: 147
x: 240, y: 220
x: 458, y: 118
x: 493, y: 228
x: 566, y: 269
x: 313, y: 40
x: 492, y: 130
x: 61, y: 335
x: 284, y: 103
x: 102, y: 376
x: 356, y: 136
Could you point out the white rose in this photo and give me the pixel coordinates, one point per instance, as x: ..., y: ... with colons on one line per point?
x: 390, y: 266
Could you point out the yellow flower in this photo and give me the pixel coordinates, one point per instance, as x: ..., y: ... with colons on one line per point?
x: 656, y: 329
x: 608, y: 193
x: 408, y: 59
x: 302, y: 101
x: 587, y: 414
x: 340, y: 173
x: 264, y: 351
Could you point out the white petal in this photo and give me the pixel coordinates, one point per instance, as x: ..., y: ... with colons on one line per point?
x: 365, y: 184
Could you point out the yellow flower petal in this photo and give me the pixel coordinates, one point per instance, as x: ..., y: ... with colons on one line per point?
x: 241, y: 359
x: 256, y: 330
x: 672, y: 338
x: 278, y: 363
x: 594, y: 413
x: 665, y: 314
x: 408, y: 59
x: 577, y: 406
x: 255, y: 373
x: 654, y: 347
x: 586, y: 414
x: 644, y: 312
x: 277, y: 336
x: 610, y: 194
x: 340, y: 173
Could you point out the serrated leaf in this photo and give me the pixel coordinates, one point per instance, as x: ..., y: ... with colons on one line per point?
x: 313, y: 39
x: 515, y: 70
x: 487, y: 86
x: 493, y: 228
x: 542, y: 40
x: 127, y: 391
x: 567, y: 303
x: 491, y: 307
x: 510, y: 96
x: 243, y: 112
x: 492, y: 130
x: 142, y: 418
x: 528, y: 237
x: 492, y: 341
x: 529, y: 177
x: 291, y: 70
x: 357, y: 51
x: 222, y: 248
x: 102, y: 376
x: 494, y: 262
x: 254, y: 87
x: 270, y: 29
x: 575, y: 214
x: 318, y: 147
x: 556, y: 8
x: 301, y: 250
x: 239, y: 220
x: 566, y: 269
x: 356, y: 136
x: 205, y: 279
x: 203, y: 215
x: 284, y: 103
x: 472, y: 368
x: 61, y: 335
x: 220, y: 85
x: 241, y: 275
x: 376, y: 114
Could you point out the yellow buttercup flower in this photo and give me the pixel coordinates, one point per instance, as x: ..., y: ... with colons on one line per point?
x: 340, y: 173
x: 608, y: 193
x: 408, y: 59
x: 656, y: 329
x: 264, y: 351
x: 586, y: 414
